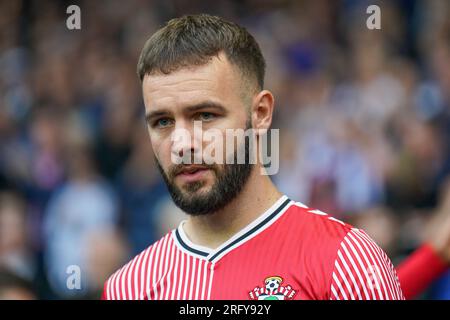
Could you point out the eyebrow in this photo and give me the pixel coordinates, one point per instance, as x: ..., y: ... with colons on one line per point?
x: 189, y: 109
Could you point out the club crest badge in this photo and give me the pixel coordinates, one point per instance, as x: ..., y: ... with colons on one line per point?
x: 273, y: 290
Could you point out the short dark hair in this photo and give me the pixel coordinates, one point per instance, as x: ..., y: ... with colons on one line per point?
x: 194, y: 40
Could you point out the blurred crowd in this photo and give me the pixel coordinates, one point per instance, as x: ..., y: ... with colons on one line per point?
x: 364, y: 119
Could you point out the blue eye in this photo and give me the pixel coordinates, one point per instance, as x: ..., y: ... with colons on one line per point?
x: 163, y: 122
x: 206, y: 116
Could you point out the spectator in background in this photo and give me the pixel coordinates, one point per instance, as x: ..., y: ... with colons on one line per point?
x: 83, y: 206
x: 106, y: 250
x: 13, y: 287
x: 141, y: 189
x: 15, y: 251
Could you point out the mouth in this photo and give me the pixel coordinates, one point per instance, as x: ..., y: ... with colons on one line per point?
x: 192, y: 173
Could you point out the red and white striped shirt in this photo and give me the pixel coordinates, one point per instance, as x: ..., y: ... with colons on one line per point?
x: 289, y: 252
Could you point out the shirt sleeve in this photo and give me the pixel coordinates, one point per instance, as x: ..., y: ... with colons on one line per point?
x: 362, y: 271
x: 420, y: 270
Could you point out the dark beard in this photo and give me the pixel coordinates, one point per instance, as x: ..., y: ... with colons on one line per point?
x: 230, y: 181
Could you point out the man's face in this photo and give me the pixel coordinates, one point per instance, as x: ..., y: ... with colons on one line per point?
x: 213, y: 95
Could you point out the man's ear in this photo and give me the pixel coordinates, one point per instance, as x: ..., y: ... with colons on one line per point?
x: 262, y: 110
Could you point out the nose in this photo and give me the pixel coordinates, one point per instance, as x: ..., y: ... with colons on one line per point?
x: 186, y: 145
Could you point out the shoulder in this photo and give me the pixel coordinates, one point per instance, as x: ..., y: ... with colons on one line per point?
x: 315, y: 236
x: 363, y: 271
x: 345, y: 263
x: 126, y: 282
x: 326, y: 237
x: 322, y: 229
x: 315, y: 225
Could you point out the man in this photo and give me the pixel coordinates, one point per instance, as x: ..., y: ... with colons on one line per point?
x: 243, y: 238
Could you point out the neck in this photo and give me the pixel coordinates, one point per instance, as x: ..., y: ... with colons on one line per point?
x: 211, y: 230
